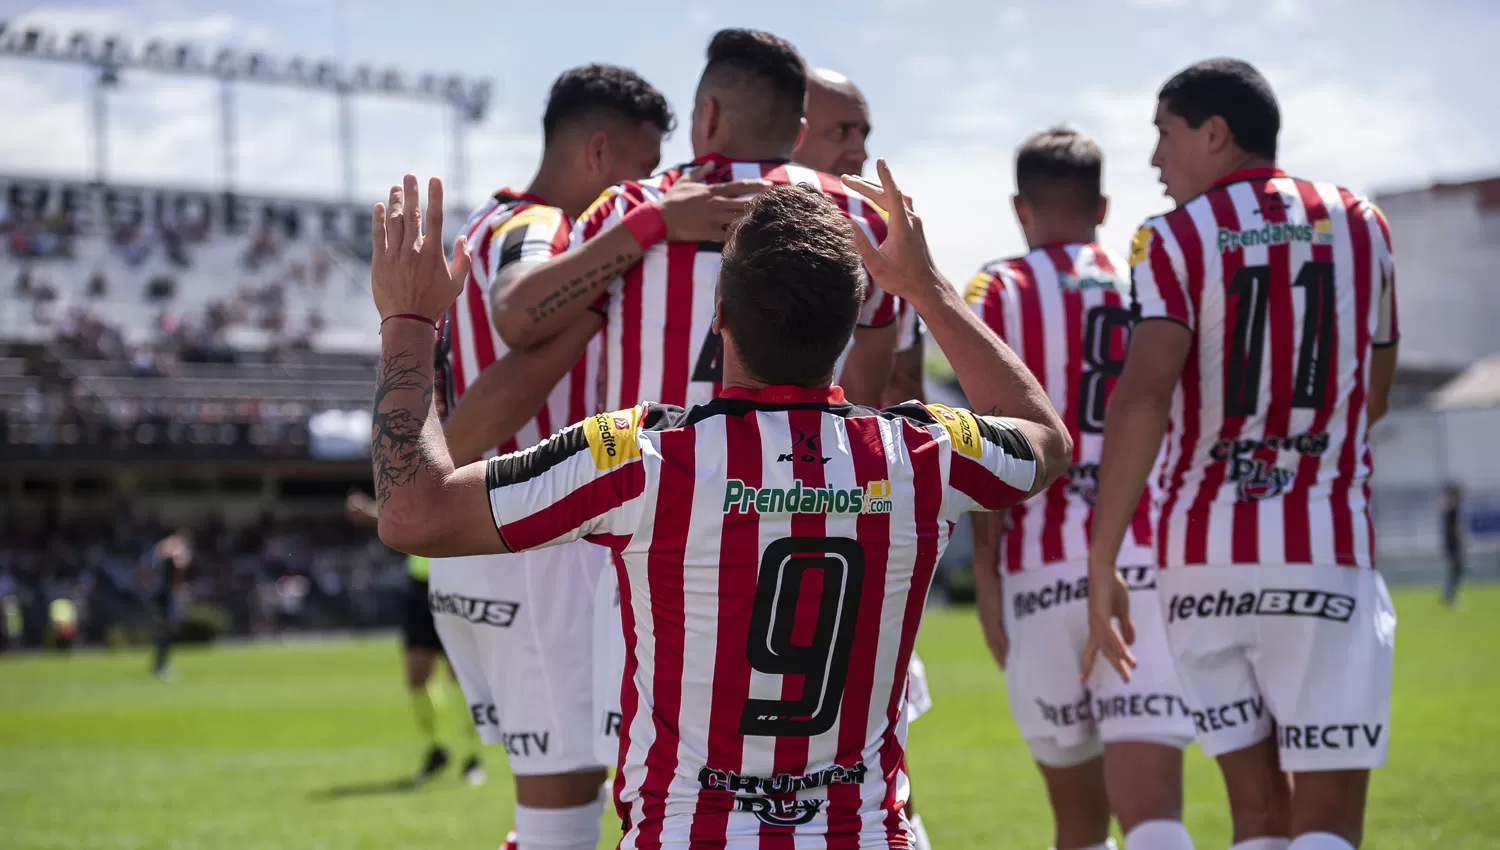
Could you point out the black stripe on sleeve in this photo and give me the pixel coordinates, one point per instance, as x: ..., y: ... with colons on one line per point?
x: 1005, y: 435
x: 510, y: 249
x: 520, y: 467
x: 662, y: 417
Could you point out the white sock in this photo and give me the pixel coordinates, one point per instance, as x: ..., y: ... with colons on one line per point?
x: 919, y: 834
x: 558, y: 829
x: 1319, y: 841
x: 1159, y: 835
x: 1264, y: 843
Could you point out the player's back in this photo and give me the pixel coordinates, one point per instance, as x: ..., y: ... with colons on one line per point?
x: 508, y: 228
x: 659, y: 341
x: 1287, y: 284
x: 777, y: 559
x: 1065, y: 310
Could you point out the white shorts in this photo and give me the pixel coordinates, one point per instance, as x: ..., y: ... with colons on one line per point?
x: 1064, y: 720
x: 918, y: 697
x: 609, y: 672
x: 1301, y: 650
x: 515, y: 629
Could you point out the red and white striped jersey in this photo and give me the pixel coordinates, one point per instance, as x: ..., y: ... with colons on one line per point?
x: 1064, y: 309
x: 774, y: 551
x: 511, y: 228
x: 1286, y: 285
x: 659, y: 341
x: 909, y: 327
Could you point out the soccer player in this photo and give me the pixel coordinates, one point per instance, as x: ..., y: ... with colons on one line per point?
x: 1102, y: 744
x: 519, y: 643
x: 838, y: 129
x: 838, y: 126
x: 420, y: 648
x: 1264, y: 350
x: 772, y: 598
x: 170, y: 559
x: 658, y: 290
x: 657, y: 287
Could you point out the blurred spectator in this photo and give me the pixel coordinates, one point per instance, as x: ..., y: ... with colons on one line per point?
x: 1453, y: 542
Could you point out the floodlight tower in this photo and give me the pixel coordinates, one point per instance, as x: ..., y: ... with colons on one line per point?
x: 108, y: 57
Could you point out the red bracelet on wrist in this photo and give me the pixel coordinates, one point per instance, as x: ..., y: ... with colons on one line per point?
x: 646, y: 224
x: 413, y: 316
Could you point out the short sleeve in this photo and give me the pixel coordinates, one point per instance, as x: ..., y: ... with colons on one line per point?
x: 579, y: 482
x: 1388, y: 320
x: 1158, y: 281
x: 533, y: 235
x: 985, y: 295
x: 993, y: 466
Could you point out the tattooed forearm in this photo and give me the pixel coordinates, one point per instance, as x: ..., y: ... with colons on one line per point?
x: 396, y: 427
x: 582, y: 286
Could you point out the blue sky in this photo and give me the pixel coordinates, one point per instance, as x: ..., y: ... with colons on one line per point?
x: 1374, y: 93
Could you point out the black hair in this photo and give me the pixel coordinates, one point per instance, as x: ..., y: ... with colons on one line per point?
x: 790, y: 286
x: 772, y: 63
x: 590, y: 88
x: 1060, y: 165
x: 1233, y: 90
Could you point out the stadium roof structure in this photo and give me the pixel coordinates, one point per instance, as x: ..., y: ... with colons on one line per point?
x: 115, y: 54
x: 1476, y: 386
x: 109, y: 55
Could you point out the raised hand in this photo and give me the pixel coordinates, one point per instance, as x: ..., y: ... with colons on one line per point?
x: 700, y: 212
x: 409, y: 274
x: 901, y: 264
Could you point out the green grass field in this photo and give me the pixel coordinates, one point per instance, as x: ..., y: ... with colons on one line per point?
x: 296, y: 747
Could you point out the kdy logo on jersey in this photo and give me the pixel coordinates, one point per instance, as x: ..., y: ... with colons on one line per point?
x: 611, y: 438
x: 807, y: 448
x: 799, y: 498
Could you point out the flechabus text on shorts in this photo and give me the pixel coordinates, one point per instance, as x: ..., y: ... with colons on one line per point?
x: 1271, y: 602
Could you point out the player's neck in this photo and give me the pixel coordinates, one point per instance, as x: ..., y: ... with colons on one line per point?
x: 1242, y: 162
x: 1061, y: 233
x: 748, y: 150
x: 557, y: 184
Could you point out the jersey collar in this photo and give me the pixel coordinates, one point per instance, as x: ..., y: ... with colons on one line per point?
x: 787, y: 394
x: 522, y: 196
x: 719, y: 159
x: 1249, y: 174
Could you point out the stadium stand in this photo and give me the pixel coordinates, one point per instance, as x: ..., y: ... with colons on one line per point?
x: 165, y: 358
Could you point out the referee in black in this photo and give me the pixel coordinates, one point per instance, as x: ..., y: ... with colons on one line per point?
x: 170, y: 559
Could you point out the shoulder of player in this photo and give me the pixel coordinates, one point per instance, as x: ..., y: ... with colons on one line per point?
x: 991, y: 275
x: 966, y: 431
x: 525, y: 215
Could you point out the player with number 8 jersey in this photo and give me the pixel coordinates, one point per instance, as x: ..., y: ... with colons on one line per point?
x: 1063, y: 307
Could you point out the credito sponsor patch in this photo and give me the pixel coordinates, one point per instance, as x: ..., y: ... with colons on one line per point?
x: 611, y: 437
